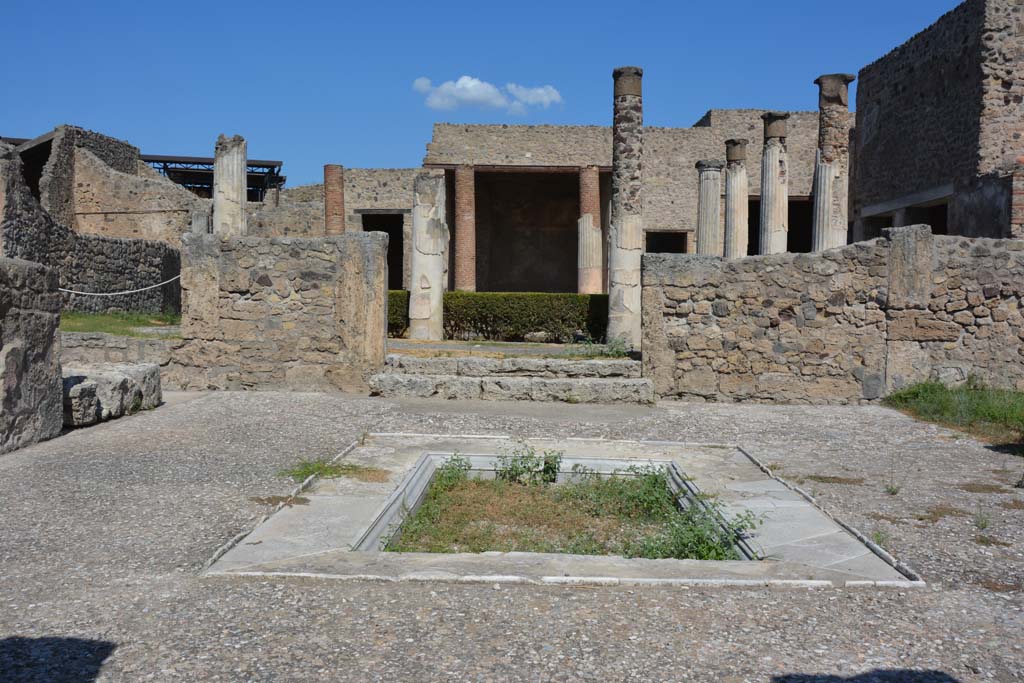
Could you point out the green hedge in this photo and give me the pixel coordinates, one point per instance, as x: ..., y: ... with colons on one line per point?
x: 398, y: 312
x: 510, y: 316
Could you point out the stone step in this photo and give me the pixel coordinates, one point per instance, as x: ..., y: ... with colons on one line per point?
x: 513, y: 388
x: 549, y: 368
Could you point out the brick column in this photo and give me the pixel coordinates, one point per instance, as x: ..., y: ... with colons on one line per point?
x: 737, y: 199
x: 429, y: 258
x: 465, y: 229
x: 229, y: 186
x: 709, y: 208
x: 334, y: 199
x: 590, y: 252
x: 832, y: 165
x: 626, y: 229
x: 774, y: 185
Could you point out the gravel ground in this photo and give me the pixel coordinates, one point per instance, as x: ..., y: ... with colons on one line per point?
x: 103, y: 532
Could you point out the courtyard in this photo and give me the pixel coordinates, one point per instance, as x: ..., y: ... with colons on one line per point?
x: 107, y: 532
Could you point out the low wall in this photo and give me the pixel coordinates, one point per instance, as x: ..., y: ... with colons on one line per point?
x: 85, y: 263
x: 282, y: 313
x: 30, y: 378
x: 842, y: 326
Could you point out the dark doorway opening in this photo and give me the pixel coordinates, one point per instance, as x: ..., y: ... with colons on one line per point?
x: 390, y: 223
x: 526, y: 231
x: 936, y: 216
x: 801, y: 222
x: 667, y: 242
x: 33, y: 160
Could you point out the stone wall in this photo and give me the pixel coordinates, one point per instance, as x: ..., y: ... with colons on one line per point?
x: 670, y: 181
x: 111, y: 203
x: 282, y: 313
x: 57, y: 185
x: 841, y: 326
x: 83, y: 262
x: 299, y: 211
x: 30, y: 377
x: 942, y: 115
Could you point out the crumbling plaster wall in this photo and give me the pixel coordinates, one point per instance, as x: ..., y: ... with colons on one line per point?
x: 83, y: 262
x: 113, y: 203
x: 841, y: 326
x: 670, y: 154
x: 30, y: 378
x: 300, y: 314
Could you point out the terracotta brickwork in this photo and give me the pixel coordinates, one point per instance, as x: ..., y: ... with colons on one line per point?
x: 465, y: 229
x: 334, y: 199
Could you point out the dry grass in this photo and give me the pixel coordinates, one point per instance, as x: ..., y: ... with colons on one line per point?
x: 982, y: 487
x: 982, y: 539
x: 830, y: 479
x: 1016, y: 504
x: 938, y: 512
x: 277, y: 500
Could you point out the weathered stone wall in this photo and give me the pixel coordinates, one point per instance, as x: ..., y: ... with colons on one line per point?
x: 111, y: 203
x: 841, y: 326
x: 945, y: 111
x: 30, y: 377
x: 300, y: 210
x: 670, y: 181
x: 57, y: 185
x: 83, y: 262
x: 282, y: 313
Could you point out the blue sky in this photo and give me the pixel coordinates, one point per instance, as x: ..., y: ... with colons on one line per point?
x: 336, y: 82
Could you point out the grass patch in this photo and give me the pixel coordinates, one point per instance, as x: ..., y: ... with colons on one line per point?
x: 290, y: 501
x: 993, y: 415
x: 991, y: 541
x: 982, y: 487
x: 938, y: 512
x: 1014, y: 505
x: 829, y: 479
x: 120, y: 324
x: 633, y: 515
x: 333, y: 470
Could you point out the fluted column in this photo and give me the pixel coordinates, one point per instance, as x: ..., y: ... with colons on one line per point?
x: 334, y: 199
x: 709, y: 208
x: 831, y: 190
x: 774, y: 185
x: 590, y: 252
x: 626, y: 229
x: 229, y: 186
x: 429, y: 258
x: 737, y: 199
x: 465, y: 229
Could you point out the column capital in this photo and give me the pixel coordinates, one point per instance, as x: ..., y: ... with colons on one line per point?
x: 709, y: 165
x: 834, y: 89
x: 775, y: 124
x: 225, y: 143
x: 736, y: 149
x: 628, y: 80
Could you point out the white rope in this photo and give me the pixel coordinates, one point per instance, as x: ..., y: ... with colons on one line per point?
x: 130, y: 291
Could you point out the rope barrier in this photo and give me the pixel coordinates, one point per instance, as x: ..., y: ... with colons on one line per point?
x: 130, y: 291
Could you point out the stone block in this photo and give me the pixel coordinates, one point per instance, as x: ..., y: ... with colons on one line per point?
x: 119, y: 389
x: 81, y: 405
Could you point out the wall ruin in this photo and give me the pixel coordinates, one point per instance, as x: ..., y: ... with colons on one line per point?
x: 31, y: 406
x: 86, y: 263
x: 300, y: 314
x: 840, y: 326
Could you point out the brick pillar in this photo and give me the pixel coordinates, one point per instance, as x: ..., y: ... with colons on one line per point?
x: 1016, y: 228
x: 737, y: 199
x: 229, y: 186
x: 832, y: 166
x: 465, y: 229
x: 774, y: 185
x: 590, y: 261
x: 334, y: 199
x: 709, y: 208
x: 626, y: 229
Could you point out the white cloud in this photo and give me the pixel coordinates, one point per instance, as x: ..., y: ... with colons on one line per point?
x: 471, y: 91
x: 544, y: 96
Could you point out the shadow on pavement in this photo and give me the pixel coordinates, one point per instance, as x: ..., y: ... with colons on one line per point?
x: 877, y: 676
x: 54, y: 660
